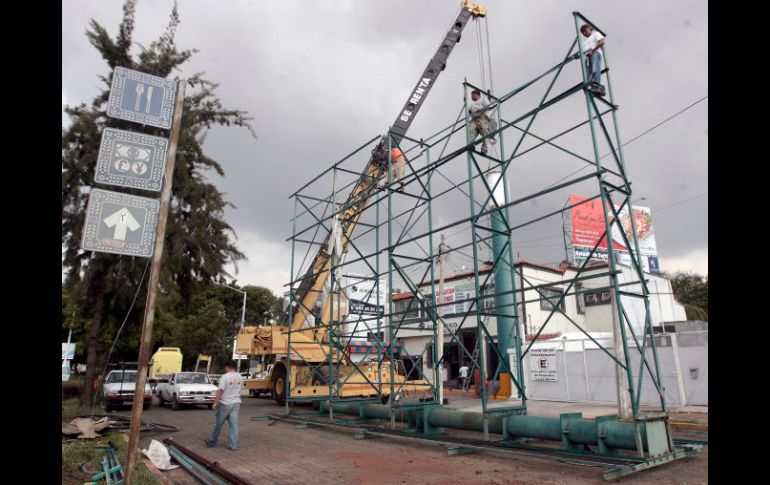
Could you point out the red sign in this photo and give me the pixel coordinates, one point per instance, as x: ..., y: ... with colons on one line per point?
x: 588, y: 223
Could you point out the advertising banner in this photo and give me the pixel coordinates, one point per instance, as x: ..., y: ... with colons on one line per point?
x: 587, y: 225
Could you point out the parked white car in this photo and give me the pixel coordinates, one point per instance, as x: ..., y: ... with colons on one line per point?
x: 187, y: 388
x: 119, y: 388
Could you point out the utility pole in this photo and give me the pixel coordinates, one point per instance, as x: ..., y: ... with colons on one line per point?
x: 243, y: 322
x: 243, y: 311
x: 152, y: 287
x: 440, y: 329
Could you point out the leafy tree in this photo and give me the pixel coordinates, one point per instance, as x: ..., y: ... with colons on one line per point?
x: 692, y: 291
x: 214, y: 319
x: 198, y: 240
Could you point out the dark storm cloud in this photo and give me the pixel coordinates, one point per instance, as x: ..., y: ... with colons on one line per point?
x: 321, y: 77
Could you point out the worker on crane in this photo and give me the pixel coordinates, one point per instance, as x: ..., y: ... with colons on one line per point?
x: 592, y: 47
x: 480, y: 120
x: 398, y: 162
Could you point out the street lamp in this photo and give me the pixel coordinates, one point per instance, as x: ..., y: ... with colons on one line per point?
x: 243, y: 317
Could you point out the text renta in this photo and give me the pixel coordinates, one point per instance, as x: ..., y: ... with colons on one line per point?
x: 419, y: 92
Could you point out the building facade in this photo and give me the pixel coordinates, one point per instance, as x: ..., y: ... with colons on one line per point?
x: 587, y: 303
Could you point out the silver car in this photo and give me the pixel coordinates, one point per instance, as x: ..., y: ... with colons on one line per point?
x: 119, y: 390
x: 187, y: 388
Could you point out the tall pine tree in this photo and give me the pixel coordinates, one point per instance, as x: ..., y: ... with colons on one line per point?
x: 198, y: 240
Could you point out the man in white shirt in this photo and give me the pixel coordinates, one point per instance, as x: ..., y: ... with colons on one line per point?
x: 463, y: 375
x: 592, y: 47
x: 227, y: 403
x: 479, y: 119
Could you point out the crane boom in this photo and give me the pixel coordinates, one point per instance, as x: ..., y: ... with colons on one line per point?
x: 315, y: 277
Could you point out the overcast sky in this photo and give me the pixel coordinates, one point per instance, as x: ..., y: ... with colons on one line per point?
x: 322, y: 77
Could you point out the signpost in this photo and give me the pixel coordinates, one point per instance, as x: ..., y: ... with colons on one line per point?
x: 67, y: 354
x: 152, y: 288
x: 130, y: 225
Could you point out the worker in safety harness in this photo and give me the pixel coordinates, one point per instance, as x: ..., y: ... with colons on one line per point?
x: 592, y: 47
x: 480, y: 122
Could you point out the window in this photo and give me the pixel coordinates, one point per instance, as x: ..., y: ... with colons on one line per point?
x: 580, y: 302
x: 192, y: 378
x: 408, y: 305
x: 597, y: 298
x: 549, y: 297
x: 118, y: 376
x: 374, y: 337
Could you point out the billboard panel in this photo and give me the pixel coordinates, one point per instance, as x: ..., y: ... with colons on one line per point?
x: 365, y: 304
x: 587, y: 225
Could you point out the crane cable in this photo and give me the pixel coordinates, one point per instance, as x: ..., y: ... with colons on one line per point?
x: 480, y: 51
x: 492, y: 116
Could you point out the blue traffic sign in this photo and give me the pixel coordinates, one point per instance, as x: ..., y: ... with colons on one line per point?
x: 141, y: 98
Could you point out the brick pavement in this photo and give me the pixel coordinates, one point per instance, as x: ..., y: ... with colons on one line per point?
x: 283, y: 454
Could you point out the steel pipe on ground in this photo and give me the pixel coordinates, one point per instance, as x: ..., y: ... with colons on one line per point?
x: 581, y: 431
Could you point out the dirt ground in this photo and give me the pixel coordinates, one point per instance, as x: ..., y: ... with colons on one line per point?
x: 283, y: 454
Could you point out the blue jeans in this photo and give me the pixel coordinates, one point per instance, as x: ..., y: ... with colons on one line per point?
x: 595, y: 67
x: 228, y: 412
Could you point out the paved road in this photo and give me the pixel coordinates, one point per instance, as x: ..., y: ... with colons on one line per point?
x: 282, y: 454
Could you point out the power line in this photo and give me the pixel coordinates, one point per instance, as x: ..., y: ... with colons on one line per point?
x: 634, y: 138
x: 680, y: 202
x: 662, y: 122
x: 117, y: 335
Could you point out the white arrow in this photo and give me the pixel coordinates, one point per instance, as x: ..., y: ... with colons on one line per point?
x: 122, y: 220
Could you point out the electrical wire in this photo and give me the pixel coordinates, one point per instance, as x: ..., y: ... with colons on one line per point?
x: 115, y: 340
x: 634, y: 138
x: 679, y: 202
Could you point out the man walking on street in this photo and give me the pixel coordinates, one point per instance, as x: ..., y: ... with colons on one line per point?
x: 227, y: 404
x: 463, y: 376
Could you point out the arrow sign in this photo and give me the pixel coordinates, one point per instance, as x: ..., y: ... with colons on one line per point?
x: 122, y: 220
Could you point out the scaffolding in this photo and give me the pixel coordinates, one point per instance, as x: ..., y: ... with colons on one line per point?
x: 398, y: 230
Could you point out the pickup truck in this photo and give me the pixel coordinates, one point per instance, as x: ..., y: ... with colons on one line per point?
x: 119, y: 389
x: 187, y: 388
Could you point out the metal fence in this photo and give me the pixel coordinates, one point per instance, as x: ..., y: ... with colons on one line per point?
x: 581, y: 372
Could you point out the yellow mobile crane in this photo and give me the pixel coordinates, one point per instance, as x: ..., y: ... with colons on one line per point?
x: 309, y: 344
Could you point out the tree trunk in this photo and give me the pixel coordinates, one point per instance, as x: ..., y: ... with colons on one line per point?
x: 100, y: 314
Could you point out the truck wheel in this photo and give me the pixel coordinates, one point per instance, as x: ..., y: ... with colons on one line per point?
x: 161, y: 402
x: 320, y: 378
x: 279, y: 385
x: 107, y: 408
x: 147, y: 404
x: 175, y: 403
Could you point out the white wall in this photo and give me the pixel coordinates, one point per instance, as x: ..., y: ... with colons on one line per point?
x: 597, y: 318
